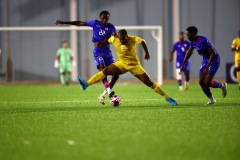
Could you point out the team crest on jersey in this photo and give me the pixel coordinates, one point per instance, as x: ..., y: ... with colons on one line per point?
x: 106, y: 29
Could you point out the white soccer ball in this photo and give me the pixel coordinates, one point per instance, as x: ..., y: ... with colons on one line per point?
x: 115, y: 101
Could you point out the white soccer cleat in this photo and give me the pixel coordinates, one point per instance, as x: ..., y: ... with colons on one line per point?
x: 211, y: 101
x: 224, y: 89
x: 101, y: 99
x: 181, y: 88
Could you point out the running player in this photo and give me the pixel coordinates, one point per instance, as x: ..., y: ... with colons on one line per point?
x: 127, y: 62
x: 102, y: 55
x: 181, y: 47
x: 236, y: 49
x: 209, y: 65
x: 64, y: 61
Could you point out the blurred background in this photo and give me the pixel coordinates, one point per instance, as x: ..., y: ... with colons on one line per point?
x: 29, y: 55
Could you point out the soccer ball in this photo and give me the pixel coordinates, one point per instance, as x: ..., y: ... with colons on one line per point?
x: 115, y: 101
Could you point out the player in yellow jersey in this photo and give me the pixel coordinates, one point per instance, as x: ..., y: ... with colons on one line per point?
x: 128, y: 61
x: 236, y: 49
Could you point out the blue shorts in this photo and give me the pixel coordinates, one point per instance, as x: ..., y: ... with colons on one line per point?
x: 186, y: 67
x: 213, y: 67
x: 103, y: 56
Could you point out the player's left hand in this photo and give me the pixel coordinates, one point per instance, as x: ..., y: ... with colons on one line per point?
x: 181, y: 70
x: 147, y: 57
x: 58, y: 22
x: 56, y: 64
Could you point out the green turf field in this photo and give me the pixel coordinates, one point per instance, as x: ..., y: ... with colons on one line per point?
x: 42, y: 122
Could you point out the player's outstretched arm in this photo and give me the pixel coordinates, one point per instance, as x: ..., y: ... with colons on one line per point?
x: 144, y: 45
x: 76, y: 23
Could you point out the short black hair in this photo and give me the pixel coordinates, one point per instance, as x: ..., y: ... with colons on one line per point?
x: 104, y: 12
x: 192, y: 29
x: 122, y: 32
x: 181, y: 32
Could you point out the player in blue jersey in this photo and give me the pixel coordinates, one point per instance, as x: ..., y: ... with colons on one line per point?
x: 210, y: 63
x: 102, y: 55
x: 181, y: 48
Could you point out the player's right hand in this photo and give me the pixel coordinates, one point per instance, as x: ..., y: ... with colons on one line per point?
x: 58, y: 22
x: 181, y: 70
x: 56, y: 64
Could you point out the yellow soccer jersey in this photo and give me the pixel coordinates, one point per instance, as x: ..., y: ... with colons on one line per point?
x: 236, y: 44
x: 126, y: 53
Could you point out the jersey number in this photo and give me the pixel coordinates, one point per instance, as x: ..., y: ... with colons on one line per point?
x: 101, y: 32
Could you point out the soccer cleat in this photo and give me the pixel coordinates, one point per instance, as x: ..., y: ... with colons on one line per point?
x: 171, y: 101
x: 180, y: 88
x: 224, y: 89
x: 239, y: 88
x: 82, y: 83
x: 211, y: 101
x: 111, y: 94
x: 101, y: 99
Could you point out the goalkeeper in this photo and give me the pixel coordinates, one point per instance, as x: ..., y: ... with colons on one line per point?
x: 64, y: 61
x: 128, y: 62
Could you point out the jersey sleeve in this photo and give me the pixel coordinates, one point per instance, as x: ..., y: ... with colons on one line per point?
x: 111, y: 39
x: 208, y: 43
x: 234, y: 43
x: 91, y: 23
x: 113, y: 29
x: 58, y: 52
x: 174, y: 47
x: 138, y: 40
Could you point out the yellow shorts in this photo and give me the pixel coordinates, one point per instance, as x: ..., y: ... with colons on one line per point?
x: 133, y: 69
x: 237, y: 60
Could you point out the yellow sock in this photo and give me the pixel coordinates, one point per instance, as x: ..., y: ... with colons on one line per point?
x: 159, y: 90
x: 96, y: 77
x: 238, y: 77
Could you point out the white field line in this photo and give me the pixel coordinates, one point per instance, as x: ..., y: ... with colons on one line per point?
x: 87, y: 101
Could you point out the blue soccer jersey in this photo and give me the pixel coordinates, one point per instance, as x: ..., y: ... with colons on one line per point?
x: 101, y: 32
x: 102, y: 55
x: 202, y: 46
x: 181, y: 49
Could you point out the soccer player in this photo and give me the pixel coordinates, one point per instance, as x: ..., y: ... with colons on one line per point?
x: 102, y: 55
x: 128, y: 61
x: 236, y: 49
x: 64, y: 61
x: 181, y: 47
x: 210, y: 63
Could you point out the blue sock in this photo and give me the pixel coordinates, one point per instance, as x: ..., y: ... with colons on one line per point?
x: 207, y: 92
x: 106, y: 84
x: 215, y: 84
x: 179, y: 82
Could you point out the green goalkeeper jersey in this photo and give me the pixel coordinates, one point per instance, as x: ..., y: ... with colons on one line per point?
x: 64, y: 56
